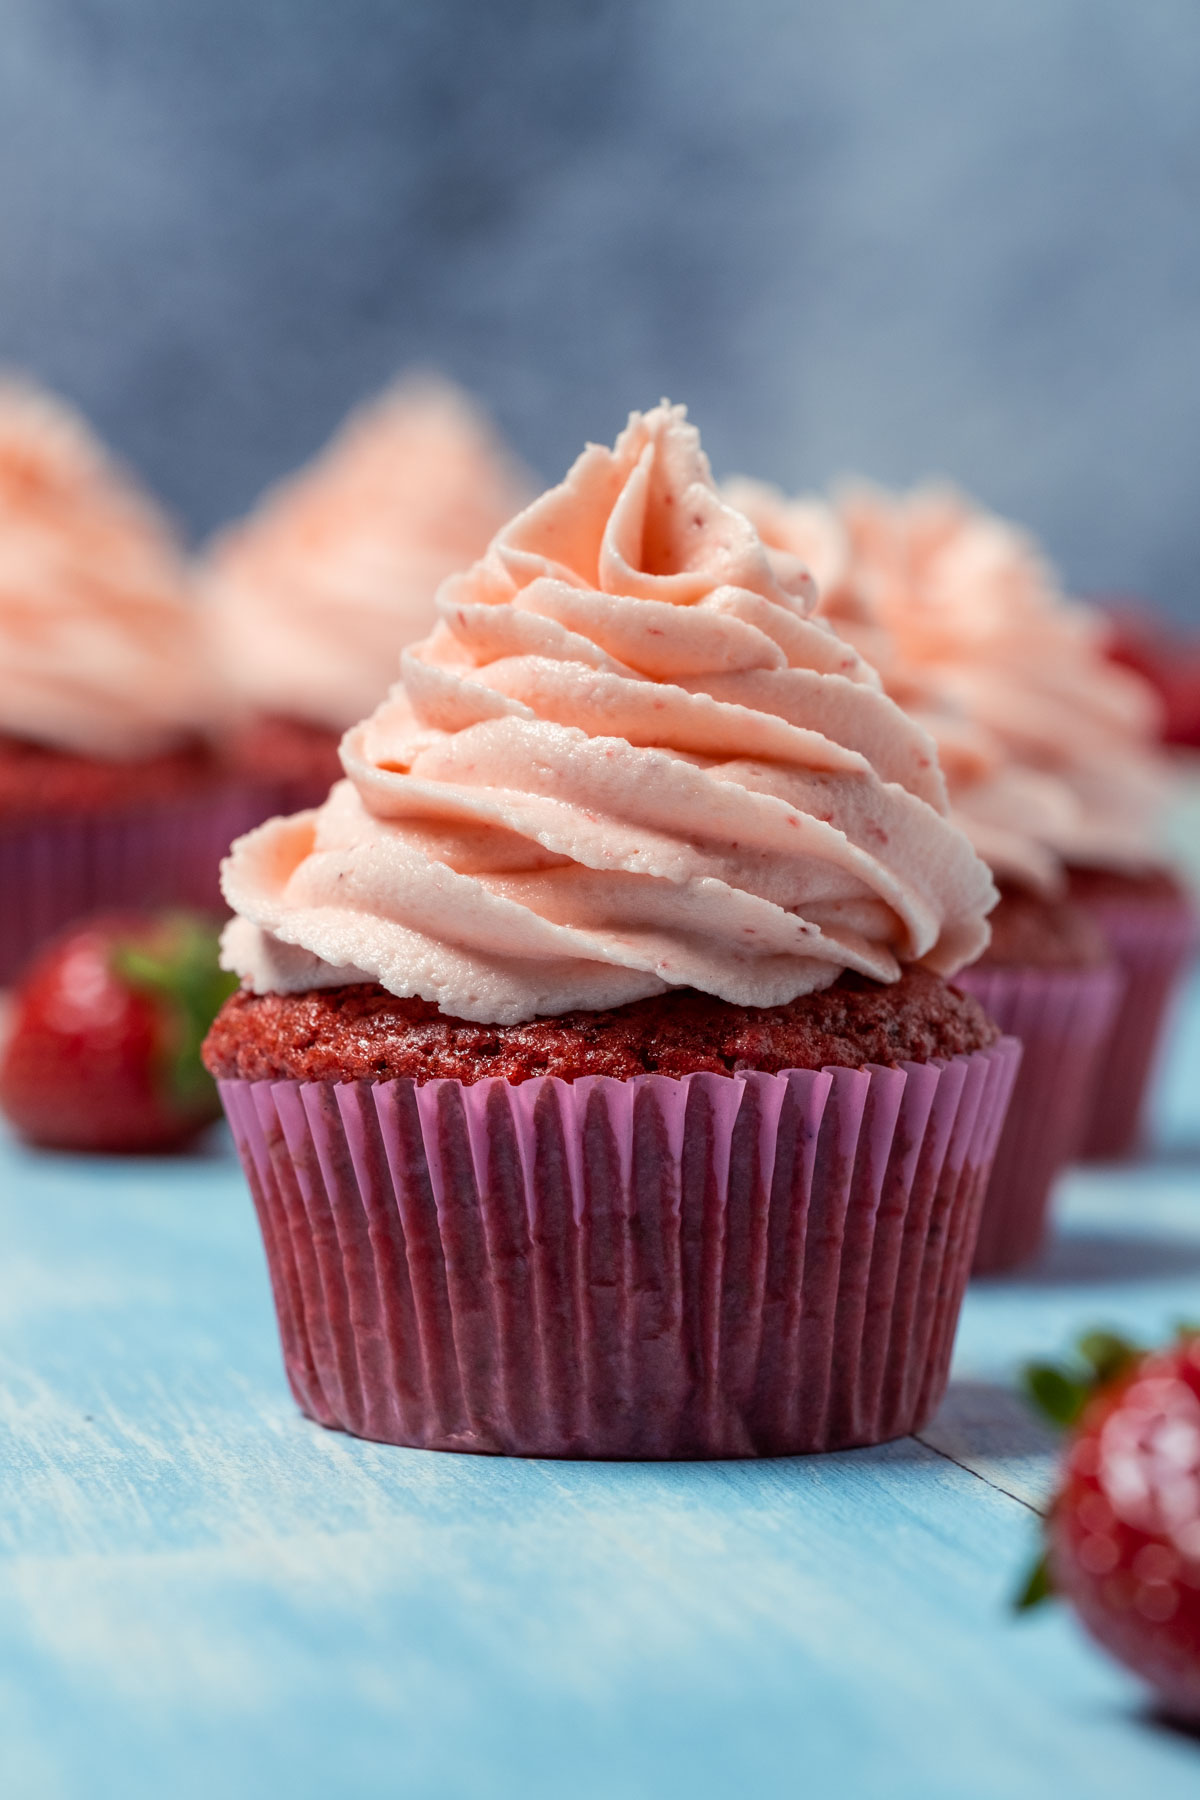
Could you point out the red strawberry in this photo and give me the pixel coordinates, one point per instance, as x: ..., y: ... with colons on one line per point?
x: 1167, y: 658
x: 104, y: 1050
x: 1123, y: 1533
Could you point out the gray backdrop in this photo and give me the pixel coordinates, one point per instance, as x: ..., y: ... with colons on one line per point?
x: 899, y: 236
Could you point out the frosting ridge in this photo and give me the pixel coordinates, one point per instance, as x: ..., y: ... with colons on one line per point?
x: 628, y: 757
x: 101, y: 651
x: 971, y: 600
x: 1045, y: 747
x: 313, y: 595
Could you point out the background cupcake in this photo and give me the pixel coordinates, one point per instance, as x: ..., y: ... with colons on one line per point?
x: 969, y: 597
x: 110, y: 791
x: 1046, y: 975
x: 313, y: 596
x: 596, y: 1077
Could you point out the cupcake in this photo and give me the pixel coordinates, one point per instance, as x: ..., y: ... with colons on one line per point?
x: 1047, y: 975
x: 595, y: 1070
x: 110, y: 790
x: 312, y: 597
x: 972, y: 599
x: 1150, y: 921
x: 1049, y: 978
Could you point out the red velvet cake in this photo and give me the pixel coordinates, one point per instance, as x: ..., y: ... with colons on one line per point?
x: 38, y: 781
x: 1153, y: 887
x: 363, y: 1033
x: 1032, y: 932
x: 294, y: 761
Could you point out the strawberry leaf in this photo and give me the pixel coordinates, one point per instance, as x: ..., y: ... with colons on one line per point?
x: 1107, y: 1355
x: 177, y: 965
x: 1060, y: 1393
x: 1058, y: 1396
x: 1036, y: 1587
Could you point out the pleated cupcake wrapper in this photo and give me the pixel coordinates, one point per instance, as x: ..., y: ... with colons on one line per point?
x: 714, y: 1266
x: 59, y: 869
x: 1062, y: 1017
x: 1153, y: 942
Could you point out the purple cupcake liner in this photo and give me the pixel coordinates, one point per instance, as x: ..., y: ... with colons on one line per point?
x: 58, y: 869
x: 1153, y: 942
x: 714, y: 1266
x: 1062, y: 1018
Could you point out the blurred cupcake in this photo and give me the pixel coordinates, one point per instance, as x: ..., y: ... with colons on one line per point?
x: 312, y: 598
x: 110, y: 791
x: 1046, y: 976
x: 968, y: 597
x: 595, y: 1073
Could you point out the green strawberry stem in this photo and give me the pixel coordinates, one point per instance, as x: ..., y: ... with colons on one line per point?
x: 178, y: 964
x: 1060, y: 1392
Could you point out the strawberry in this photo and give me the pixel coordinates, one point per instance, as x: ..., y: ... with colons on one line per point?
x: 1167, y: 658
x: 1123, y: 1531
x: 104, y: 1047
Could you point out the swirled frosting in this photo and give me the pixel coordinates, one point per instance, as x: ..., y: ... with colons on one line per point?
x: 971, y: 602
x: 807, y: 531
x: 971, y: 636
x: 627, y: 758
x: 101, y: 652
x: 312, y: 598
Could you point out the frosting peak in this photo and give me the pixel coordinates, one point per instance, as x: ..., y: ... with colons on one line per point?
x: 314, y: 595
x: 628, y: 757
x: 100, y: 646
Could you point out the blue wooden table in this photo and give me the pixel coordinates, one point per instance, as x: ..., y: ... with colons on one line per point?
x: 205, y: 1597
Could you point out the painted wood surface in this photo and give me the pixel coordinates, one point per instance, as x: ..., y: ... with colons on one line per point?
x: 203, y: 1595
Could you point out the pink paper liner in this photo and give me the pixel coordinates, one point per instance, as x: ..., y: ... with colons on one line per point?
x: 1153, y: 942
x: 714, y: 1266
x: 1062, y: 1017
x: 56, y: 870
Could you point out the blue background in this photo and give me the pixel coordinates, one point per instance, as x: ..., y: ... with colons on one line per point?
x: 877, y: 235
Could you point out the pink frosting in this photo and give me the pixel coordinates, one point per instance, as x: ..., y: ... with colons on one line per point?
x: 807, y: 531
x: 972, y: 638
x: 101, y: 652
x: 972, y: 604
x: 627, y: 758
x: 314, y: 596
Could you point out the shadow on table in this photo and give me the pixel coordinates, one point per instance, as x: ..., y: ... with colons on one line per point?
x: 1161, y: 1720
x: 1106, y: 1258
x: 1179, y: 1151
x: 988, y: 1418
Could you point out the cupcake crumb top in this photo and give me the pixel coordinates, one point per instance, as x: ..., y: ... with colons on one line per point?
x: 364, y: 1033
x: 1031, y: 931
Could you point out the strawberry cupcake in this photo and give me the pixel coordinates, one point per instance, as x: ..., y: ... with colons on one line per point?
x: 595, y: 1070
x: 110, y: 790
x: 1047, y: 975
x: 969, y: 598
x: 311, y: 599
